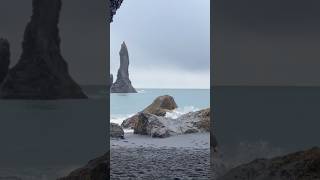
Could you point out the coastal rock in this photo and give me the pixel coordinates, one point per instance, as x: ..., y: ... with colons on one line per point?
x: 97, y: 169
x: 116, y: 131
x: 198, y: 120
x: 110, y: 81
x: 113, y: 6
x: 159, y: 107
x: 154, y: 126
x: 41, y: 72
x: 303, y: 165
x: 158, y: 126
x: 4, y: 58
x: 123, y: 83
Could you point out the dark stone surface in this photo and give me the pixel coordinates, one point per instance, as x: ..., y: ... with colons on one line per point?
x: 41, y: 72
x: 113, y: 6
x: 159, y: 107
x: 97, y: 169
x: 110, y: 81
x: 4, y: 58
x: 123, y: 83
x: 303, y: 165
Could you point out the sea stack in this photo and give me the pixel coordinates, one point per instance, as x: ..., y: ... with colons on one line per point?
x: 4, y: 58
x: 41, y: 72
x: 123, y: 83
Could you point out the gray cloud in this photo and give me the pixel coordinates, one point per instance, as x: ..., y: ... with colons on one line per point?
x: 164, y: 36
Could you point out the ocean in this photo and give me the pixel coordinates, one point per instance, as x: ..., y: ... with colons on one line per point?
x: 258, y: 122
x: 123, y: 106
x: 46, y: 139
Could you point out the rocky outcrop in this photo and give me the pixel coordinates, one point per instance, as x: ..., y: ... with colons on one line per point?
x: 158, y: 126
x: 4, y: 58
x: 110, y: 81
x: 116, y: 131
x: 123, y: 83
x: 159, y: 107
x: 113, y: 6
x: 97, y: 169
x: 41, y: 72
x: 304, y: 165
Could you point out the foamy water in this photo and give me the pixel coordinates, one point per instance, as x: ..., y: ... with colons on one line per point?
x: 124, y: 106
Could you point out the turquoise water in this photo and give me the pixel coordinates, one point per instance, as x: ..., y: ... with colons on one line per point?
x: 125, y: 105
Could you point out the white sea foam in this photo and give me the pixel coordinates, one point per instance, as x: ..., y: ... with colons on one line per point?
x: 180, y: 111
x: 118, y: 118
x: 141, y: 91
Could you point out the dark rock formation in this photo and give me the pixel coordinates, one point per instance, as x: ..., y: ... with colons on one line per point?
x: 123, y: 83
x: 116, y: 131
x: 97, y: 169
x: 152, y: 125
x: 158, y: 126
x: 110, y: 81
x: 113, y: 6
x: 304, y: 165
x: 41, y: 72
x: 159, y: 107
x: 4, y: 58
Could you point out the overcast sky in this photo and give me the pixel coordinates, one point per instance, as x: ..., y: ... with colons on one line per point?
x: 168, y: 42
x: 266, y: 42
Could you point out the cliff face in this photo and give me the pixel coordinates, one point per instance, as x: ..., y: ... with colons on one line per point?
x: 4, y: 58
x: 97, y: 169
x: 41, y: 72
x: 123, y: 83
x: 303, y: 165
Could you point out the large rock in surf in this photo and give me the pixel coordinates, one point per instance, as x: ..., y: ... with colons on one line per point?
x: 159, y: 107
x: 158, y: 126
x: 304, y: 165
x: 152, y: 125
x: 41, y: 72
x: 116, y: 131
x: 123, y: 83
x: 113, y: 6
x: 97, y: 169
x: 4, y: 58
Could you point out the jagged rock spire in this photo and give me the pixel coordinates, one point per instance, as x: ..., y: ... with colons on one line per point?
x: 41, y: 72
x: 123, y: 83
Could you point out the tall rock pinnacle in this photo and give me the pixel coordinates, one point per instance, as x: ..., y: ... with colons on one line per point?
x: 4, y: 58
x: 123, y: 83
x: 41, y: 72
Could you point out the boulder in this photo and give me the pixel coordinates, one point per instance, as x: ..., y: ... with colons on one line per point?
x: 41, y: 72
x: 4, y: 58
x: 97, y: 169
x: 198, y: 120
x: 152, y: 125
x: 303, y: 165
x: 116, y: 131
x: 159, y: 107
x: 159, y: 126
x: 123, y: 83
